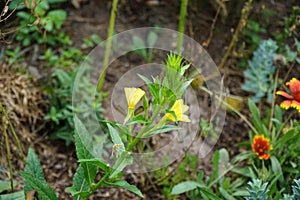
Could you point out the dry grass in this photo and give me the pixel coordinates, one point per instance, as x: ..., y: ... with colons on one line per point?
x: 25, y: 105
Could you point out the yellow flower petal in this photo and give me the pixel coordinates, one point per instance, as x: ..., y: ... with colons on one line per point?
x: 133, y: 96
x: 179, y: 109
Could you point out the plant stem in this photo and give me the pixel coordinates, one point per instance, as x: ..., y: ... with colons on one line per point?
x: 240, y: 26
x: 97, y: 185
x: 108, y: 45
x: 232, y: 108
x: 8, y: 153
x: 13, y: 131
x: 183, y: 8
x: 144, y: 129
x: 273, y: 102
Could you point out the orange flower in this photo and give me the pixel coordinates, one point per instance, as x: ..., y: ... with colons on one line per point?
x: 294, y: 99
x: 261, y: 146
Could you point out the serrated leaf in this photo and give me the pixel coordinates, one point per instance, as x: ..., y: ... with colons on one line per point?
x: 43, y: 190
x: 123, y: 160
x: 82, y: 152
x: 79, y: 184
x: 185, y: 187
x: 34, y: 168
x: 124, y: 184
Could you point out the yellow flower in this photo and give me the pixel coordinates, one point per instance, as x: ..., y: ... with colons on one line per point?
x: 178, y: 108
x: 133, y: 96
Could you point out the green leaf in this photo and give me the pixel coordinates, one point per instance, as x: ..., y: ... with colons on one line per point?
x: 82, y: 152
x: 225, y: 194
x: 122, y: 161
x: 185, y: 187
x: 95, y: 161
x: 276, y: 168
x: 255, y: 116
x: 115, y: 137
x: 164, y: 129
x: 6, y: 185
x: 15, y: 196
x: 43, y: 190
x: 79, y: 184
x: 210, y: 195
x: 215, y: 172
x: 34, y: 168
x: 124, y: 184
x: 152, y: 38
x: 57, y: 17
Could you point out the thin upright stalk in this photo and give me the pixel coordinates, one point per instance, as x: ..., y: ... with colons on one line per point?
x: 13, y: 131
x: 181, y: 25
x: 8, y: 152
x: 108, y: 45
x: 239, y: 28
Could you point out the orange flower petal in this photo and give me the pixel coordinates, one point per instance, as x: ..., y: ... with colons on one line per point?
x: 295, y: 104
x: 286, y: 95
x: 286, y: 104
x: 294, y: 85
x: 261, y: 146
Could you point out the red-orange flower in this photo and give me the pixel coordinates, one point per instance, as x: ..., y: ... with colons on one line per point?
x: 294, y: 99
x: 261, y: 146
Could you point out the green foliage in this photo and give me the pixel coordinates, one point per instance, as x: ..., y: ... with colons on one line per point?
x: 257, y: 190
x: 145, y: 50
x: 283, y: 165
x: 60, y: 94
x: 92, y: 41
x: 34, y: 178
x: 296, y: 189
x: 40, y: 23
x: 15, y: 196
x: 217, y: 185
x: 83, y: 180
x: 260, y: 74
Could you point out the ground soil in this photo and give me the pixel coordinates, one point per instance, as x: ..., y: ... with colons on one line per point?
x: 59, y: 161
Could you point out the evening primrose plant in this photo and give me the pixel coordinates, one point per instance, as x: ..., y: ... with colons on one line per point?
x: 151, y: 110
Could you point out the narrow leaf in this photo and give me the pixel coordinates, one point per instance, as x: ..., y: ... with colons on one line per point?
x: 122, y: 161
x: 124, y: 184
x: 185, y: 187
x: 164, y: 129
x: 115, y: 137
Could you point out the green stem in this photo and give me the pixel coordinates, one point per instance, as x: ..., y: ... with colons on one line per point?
x: 108, y: 45
x: 13, y: 131
x: 233, y: 109
x: 97, y: 185
x: 181, y: 25
x: 221, y: 176
x: 144, y: 129
x: 8, y: 153
x: 239, y: 28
